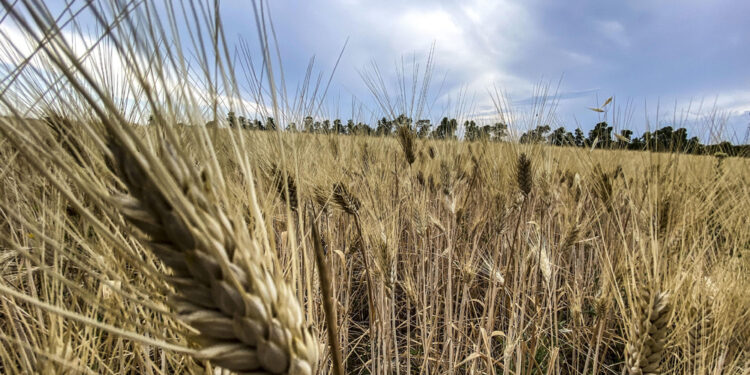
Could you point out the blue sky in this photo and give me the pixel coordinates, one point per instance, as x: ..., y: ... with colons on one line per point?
x: 681, y: 57
x: 643, y: 52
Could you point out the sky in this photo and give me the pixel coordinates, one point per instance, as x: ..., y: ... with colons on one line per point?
x: 647, y: 54
x: 662, y: 61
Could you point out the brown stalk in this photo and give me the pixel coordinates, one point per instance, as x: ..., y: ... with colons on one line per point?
x: 328, y: 300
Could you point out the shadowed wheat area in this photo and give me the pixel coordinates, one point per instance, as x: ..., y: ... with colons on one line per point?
x: 174, y: 248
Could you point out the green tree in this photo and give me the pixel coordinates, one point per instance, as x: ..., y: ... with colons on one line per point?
x: 446, y: 129
x: 402, y: 120
x: 423, y: 128
x: 231, y: 119
x: 693, y: 146
x: 338, y: 128
x: 362, y: 129
x: 647, y: 139
x: 679, y: 140
x: 385, y: 127
x: 579, y: 138
x: 636, y: 144
x: 560, y: 137
x: 498, y: 131
x: 536, y: 135
x: 602, y: 135
x: 662, y: 139
x: 471, y: 131
x: 270, y: 124
x: 307, y: 124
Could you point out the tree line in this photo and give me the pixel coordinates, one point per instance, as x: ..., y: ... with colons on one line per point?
x: 665, y: 139
x: 424, y: 128
x: 602, y: 136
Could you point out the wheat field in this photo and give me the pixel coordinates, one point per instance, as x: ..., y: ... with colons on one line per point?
x: 175, y: 248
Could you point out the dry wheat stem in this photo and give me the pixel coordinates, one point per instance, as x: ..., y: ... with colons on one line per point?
x: 62, y: 362
x: 328, y: 300
x: 88, y: 321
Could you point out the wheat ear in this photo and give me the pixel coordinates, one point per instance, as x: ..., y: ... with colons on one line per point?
x: 248, y: 317
x: 523, y: 174
x: 648, y: 334
x: 406, y: 138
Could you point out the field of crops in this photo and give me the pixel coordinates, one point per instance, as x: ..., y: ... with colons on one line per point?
x: 484, y: 257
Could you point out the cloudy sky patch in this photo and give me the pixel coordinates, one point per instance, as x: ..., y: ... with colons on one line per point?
x: 665, y: 54
x: 642, y: 52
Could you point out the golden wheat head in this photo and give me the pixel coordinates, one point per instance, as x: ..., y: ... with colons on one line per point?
x: 648, y: 334
x: 248, y: 317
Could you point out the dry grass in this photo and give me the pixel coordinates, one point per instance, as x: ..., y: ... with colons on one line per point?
x: 175, y: 249
x: 465, y: 276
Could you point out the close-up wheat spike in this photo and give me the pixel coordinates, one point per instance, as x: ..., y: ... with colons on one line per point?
x: 648, y: 334
x: 524, y: 176
x: 248, y: 317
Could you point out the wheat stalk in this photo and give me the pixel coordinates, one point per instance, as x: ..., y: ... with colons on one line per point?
x: 248, y: 317
x: 702, y: 327
x: 328, y: 300
x: 648, y: 334
x: 282, y: 188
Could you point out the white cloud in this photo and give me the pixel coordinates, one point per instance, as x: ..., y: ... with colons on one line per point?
x: 475, y: 41
x: 579, y: 58
x: 112, y: 72
x: 614, y: 31
x: 675, y: 50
